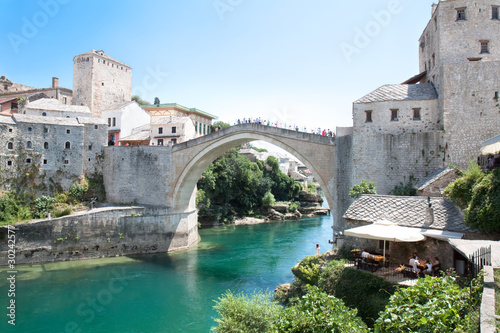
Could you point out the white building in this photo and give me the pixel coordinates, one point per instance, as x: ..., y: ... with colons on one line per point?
x: 51, y: 107
x: 172, y: 129
x: 122, y: 118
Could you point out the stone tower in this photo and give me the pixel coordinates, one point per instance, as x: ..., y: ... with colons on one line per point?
x: 459, y: 53
x: 100, y: 81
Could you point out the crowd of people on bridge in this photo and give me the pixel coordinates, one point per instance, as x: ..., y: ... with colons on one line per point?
x: 260, y: 121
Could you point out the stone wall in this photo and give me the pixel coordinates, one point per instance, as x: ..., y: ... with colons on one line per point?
x: 342, y: 180
x: 472, y: 109
x: 102, y: 232
x: 388, y: 159
x: 138, y: 175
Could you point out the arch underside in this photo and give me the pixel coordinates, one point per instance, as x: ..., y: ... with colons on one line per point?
x: 185, y: 186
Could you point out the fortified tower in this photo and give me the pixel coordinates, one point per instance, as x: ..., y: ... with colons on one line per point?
x: 100, y: 81
x: 459, y: 53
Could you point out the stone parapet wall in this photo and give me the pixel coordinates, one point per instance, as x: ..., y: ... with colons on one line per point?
x: 102, y: 232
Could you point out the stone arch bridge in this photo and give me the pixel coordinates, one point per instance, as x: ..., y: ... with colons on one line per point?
x: 166, y: 176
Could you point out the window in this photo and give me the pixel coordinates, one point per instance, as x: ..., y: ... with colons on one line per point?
x: 461, y: 14
x: 65, y: 100
x: 30, y: 129
x: 13, y: 106
x: 494, y: 12
x: 28, y: 161
x: 90, y: 147
x: 9, y: 163
x: 45, y: 162
x: 114, y: 121
x: 102, y: 83
x: 109, y: 122
x: 160, y: 142
x: 45, y: 130
x: 394, y: 114
x: 484, y: 46
x: 68, y: 131
x: 174, y: 141
x: 196, y: 127
x: 204, y: 128
x: 368, y: 115
x: 29, y: 145
x: 160, y: 130
x: 10, y: 145
x: 67, y: 145
x: 66, y: 162
x: 45, y: 145
x: 435, y: 23
x: 433, y: 60
x: 96, y: 126
x: 174, y: 129
x: 381, y: 245
x: 10, y: 130
x: 416, y: 114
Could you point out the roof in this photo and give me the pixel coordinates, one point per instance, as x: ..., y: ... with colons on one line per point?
x: 22, y: 118
x: 52, y: 104
x: 468, y: 247
x: 4, y: 119
x: 5, y: 100
x: 171, y: 120
x: 138, y: 134
x: 91, y: 121
x: 178, y: 106
x: 416, y: 78
x: 100, y: 53
x: 427, y: 181
x: 407, y: 211
x: 400, y: 92
x: 119, y: 106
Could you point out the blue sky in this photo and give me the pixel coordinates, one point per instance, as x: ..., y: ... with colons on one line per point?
x: 297, y: 61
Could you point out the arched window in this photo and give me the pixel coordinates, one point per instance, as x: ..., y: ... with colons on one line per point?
x: 10, y: 145
x: 68, y: 145
x: 46, y: 145
x: 44, y: 114
x: 29, y: 145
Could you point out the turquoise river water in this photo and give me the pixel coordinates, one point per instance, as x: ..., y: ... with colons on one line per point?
x: 161, y: 292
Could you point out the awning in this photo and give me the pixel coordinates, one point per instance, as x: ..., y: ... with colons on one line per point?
x: 491, y: 146
x: 441, y: 234
x: 386, y: 230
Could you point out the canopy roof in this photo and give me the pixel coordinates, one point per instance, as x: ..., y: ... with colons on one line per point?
x: 491, y: 146
x: 386, y: 230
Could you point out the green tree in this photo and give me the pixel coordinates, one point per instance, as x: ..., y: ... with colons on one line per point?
x: 363, y: 188
x: 268, y: 199
x: 460, y: 191
x: 241, y: 313
x: 139, y: 100
x: 318, y: 312
x: 220, y: 124
x: 432, y: 305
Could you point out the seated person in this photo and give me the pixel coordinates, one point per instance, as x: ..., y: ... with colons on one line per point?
x: 428, y: 265
x: 436, y: 265
x: 365, y: 254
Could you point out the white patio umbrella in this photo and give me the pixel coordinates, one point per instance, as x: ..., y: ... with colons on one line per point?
x: 491, y: 146
x: 386, y: 231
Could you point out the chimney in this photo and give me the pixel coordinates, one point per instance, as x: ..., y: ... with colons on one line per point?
x: 55, y: 82
x: 429, y: 213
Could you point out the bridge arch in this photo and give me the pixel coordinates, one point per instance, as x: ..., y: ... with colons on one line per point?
x: 316, y: 152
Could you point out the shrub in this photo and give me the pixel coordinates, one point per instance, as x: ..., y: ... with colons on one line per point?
x: 77, y: 191
x: 363, y: 188
x: 432, y: 305
x: 42, y: 205
x: 63, y: 212
x: 61, y: 198
x: 311, y: 188
x: 293, y: 206
x: 241, y: 313
x: 407, y: 189
x: 318, y: 312
x: 268, y: 199
x: 308, y: 269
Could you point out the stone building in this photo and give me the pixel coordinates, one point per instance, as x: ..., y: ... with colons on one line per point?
x: 434, y: 184
x: 442, y: 115
x: 99, y: 81
x: 10, y: 89
x: 171, y: 129
x: 202, y: 120
x: 62, y: 149
x: 123, y: 118
x: 52, y: 107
